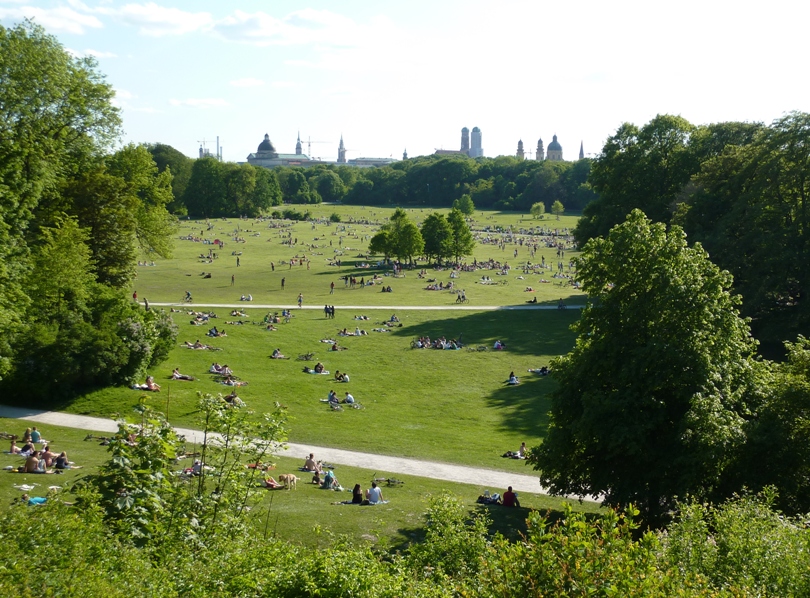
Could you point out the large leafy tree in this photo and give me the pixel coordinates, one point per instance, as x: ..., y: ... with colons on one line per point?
x: 399, y: 238
x: 651, y: 401
x: 462, y: 241
x: 438, y: 237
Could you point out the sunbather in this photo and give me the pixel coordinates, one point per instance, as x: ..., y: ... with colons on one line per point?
x: 176, y: 375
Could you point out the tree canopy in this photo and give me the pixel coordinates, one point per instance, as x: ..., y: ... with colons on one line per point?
x: 73, y: 217
x: 651, y: 400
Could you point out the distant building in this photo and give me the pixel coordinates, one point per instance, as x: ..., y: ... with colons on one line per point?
x: 520, y: 155
x: 405, y: 154
x: 581, y: 150
x: 473, y: 150
x: 541, y: 153
x: 555, y: 150
x: 266, y: 156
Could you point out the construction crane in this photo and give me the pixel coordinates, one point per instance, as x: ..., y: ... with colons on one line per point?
x: 310, y: 142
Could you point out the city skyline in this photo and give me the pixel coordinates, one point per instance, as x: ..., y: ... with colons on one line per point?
x: 390, y: 77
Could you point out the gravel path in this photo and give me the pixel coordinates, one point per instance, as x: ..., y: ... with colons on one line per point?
x: 487, y: 478
x: 294, y: 307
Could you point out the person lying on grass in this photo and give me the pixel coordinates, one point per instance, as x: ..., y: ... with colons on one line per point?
x: 176, y: 375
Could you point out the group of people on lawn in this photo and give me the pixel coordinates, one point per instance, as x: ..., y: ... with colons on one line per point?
x: 39, y: 461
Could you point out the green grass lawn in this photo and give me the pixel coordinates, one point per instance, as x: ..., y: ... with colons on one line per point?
x: 168, y: 280
x: 448, y: 406
x: 305, y: 515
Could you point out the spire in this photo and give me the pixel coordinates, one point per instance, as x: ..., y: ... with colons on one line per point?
x: 581, y: 150
x: 298, y: 149
x: 341, y: 151
x: 405, y: 154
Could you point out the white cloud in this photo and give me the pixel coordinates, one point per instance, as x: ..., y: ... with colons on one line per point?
x: 199, y: 102
x: 247, y: 82
x: 56, y: 20
x: 303, y: 27
x: 156, y: 21
x: 100, y: 54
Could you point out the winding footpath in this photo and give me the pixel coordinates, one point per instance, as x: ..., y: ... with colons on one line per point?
x: 383, y: 464
x: 294, y: 307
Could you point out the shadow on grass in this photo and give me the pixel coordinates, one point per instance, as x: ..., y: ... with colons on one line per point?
x: 511, y: 523
x: 524, y: 332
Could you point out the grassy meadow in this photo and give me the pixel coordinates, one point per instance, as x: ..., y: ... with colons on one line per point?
x: 451, y: 406
x: 305, y: 515
x: 441, y: 405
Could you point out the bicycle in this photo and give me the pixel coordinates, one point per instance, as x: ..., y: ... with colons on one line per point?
x: 306, y: 357
x: 387, y: 481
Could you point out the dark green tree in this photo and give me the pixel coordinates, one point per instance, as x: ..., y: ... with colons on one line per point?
x: 205, y: 194
x: 180, y: 165
x: 465, y: 205
x: 651, y: 401
x: 462, y: 241
x: 438, y: 236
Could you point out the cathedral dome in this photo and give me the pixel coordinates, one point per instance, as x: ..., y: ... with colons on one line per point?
x: 266, y: 145
x: 554, y: 145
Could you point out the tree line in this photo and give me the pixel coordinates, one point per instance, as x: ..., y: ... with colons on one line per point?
x: 75, y: 214
x: 205, y: 187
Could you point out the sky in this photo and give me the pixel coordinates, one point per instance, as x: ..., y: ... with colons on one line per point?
x: 391, y: 76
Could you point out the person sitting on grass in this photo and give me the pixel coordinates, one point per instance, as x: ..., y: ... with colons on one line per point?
x: 48, y: 455
x: 176, y: 375
x: 374, y: 494
x: 14, y: 449
x: 532, y: 300
x: 510, y: 499
x: 277, y: 354
x: 151, y: 384
x: 513, y: 380
x: 28, y: 449
x: 215, y: 368
x: 36, y: 437
x: 499, y: 346
x: 311, y: 465
x: 348, y: 399
x: 319, y: 369
x: 62, y: 462
x: 330, y: 482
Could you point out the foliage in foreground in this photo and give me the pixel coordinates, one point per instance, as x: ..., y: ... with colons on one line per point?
x: 741, y: 548
x: 137, y: 529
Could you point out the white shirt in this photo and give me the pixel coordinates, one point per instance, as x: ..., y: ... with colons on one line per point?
x: 374, y: 495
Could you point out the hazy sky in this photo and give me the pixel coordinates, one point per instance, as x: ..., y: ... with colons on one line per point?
x: 411, y: 74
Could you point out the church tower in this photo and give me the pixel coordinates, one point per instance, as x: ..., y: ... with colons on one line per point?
x: 581, y: 151
x: 541, y: 153
x: 405, y: 154
x: 520, y: 155
x: 555, y: 150
x: 298, y: 150
x: 341, y: 151
x: 476, y: 151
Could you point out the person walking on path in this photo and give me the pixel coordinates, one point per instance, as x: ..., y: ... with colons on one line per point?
x: 332, y: 288
x: 282, y: 283
x: 300, y: 300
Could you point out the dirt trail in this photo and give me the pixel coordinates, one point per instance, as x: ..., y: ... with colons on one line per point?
x: 497, y: 481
